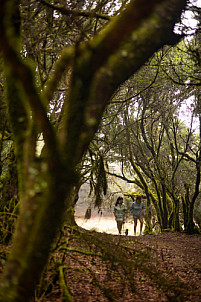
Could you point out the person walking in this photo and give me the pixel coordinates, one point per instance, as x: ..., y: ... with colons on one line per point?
x: 119, y: 213
x: 138, y: 210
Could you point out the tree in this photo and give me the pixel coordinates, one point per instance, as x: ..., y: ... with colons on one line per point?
x: 152, y: 146
x: 97, y: 68
x: 183, y: 68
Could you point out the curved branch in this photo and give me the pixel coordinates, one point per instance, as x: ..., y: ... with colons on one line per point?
x: 75, y: 13
x: 60, y: 66
x: 24, y: 74
x: 142, y: 42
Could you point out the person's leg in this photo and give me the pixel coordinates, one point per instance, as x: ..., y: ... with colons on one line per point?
x: 135, y: 225
x: 119, y: 226
x: 141, y: 224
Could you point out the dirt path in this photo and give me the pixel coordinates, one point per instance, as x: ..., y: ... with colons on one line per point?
x: 181, y: 255
x: 168, y: 268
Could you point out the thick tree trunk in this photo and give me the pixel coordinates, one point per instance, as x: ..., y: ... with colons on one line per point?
x: 185, y: 205
x: 190, y: 228
x: 148, y: 225
x: 41, y: 216
x: 176, y: 219
x: 165, y: 211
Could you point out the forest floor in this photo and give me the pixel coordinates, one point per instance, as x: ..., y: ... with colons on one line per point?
x: 102, y: 267
x: 91, y: 267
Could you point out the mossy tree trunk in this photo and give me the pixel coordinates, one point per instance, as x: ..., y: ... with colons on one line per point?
x: 98, y: 68
x: 190, y: 225
x: 176, y: 219
x: 188, y: 204
x: 185, y: 204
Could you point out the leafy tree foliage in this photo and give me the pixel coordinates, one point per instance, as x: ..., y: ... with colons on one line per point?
x: 153, y: 145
